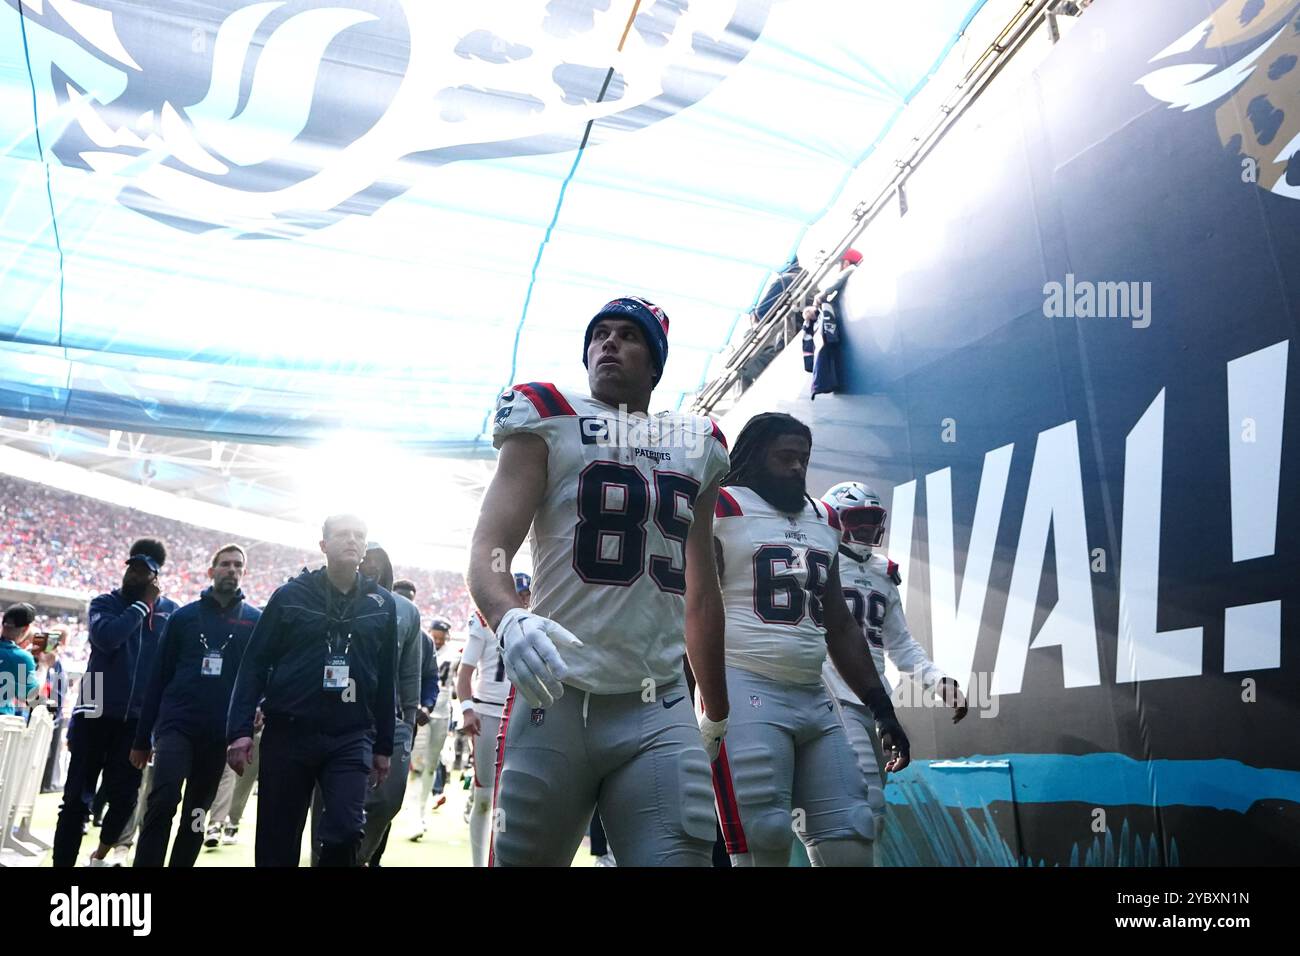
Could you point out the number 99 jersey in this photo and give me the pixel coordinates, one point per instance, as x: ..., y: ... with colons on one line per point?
x: 871, y: 593
x: 609, y: 537
x: 775, y: 571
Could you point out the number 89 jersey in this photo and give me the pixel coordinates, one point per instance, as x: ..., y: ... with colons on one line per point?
x: 775, y: 570
x: 608, y: 540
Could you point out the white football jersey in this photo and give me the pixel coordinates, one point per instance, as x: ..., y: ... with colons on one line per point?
x: 775, y: 569
x: 482, y: 653
x: 871, y: 592
x: 608, y: 540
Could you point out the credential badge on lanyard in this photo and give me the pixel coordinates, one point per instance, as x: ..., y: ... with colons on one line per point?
x: 212, y: 656
x: 336, y: 665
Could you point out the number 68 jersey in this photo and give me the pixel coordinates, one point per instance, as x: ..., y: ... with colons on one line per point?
x: 775, y: 571
x: 609, y: 537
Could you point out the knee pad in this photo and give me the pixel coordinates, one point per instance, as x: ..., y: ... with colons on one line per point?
x: 769, y: 830
x: 862, y: 822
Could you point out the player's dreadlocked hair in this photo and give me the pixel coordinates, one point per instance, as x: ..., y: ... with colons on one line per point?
x: 751, y: 446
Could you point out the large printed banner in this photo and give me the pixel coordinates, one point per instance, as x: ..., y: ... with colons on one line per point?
x: 277, y: 220
x: 1072, y: 371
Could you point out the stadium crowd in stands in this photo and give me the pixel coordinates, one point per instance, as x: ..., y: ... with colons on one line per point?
x: 60, y: 539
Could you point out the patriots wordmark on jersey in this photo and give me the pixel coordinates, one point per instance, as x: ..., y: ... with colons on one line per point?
x: 775, y: 571
x: 608, y: 540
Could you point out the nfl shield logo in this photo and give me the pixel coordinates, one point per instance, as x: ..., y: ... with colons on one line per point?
x: 754, y: 701
x: 538, y: 716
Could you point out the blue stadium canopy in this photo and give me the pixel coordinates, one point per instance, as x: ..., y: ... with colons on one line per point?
x: 273, y: 221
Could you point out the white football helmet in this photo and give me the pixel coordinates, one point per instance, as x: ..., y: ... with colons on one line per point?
x: 862, y: 516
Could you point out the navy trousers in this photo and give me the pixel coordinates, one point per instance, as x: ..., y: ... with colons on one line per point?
x: 295, y: 760
x: 99, y: 745
x: 179, y: 760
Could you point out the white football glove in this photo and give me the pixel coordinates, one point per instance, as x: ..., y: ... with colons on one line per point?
x: 712, y: 731
x: 533, y: 663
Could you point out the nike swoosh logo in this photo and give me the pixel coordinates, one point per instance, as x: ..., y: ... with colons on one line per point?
x: 669, y: 703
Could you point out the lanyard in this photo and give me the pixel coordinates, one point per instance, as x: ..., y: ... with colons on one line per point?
x: 204, y: 642
x: 331, y: 620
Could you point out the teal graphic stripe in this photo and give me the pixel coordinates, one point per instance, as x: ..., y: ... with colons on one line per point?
x: 1105, y: 779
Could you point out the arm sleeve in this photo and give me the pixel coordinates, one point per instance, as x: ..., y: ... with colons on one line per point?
x: 908, y: 656
x: 164, y: 668
x: 386, y: 702
x: 408, y: 665
x: 109, y: 629
x: 473, y: 647
x: 250, y: 684
x: 832, y: 291
x: 428, y: 673
x: 242, y: 648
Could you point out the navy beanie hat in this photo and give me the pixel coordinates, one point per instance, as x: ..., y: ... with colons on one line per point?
x: 652, y: 319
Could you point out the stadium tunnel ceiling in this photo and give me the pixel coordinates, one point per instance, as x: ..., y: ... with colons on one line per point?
x: 276, y: 221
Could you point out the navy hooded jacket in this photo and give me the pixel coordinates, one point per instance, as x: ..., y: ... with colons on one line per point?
x: 283, y: 668
x: 123, y: 638
x: 180, y: 698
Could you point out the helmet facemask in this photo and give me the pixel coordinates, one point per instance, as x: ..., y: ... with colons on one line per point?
x: 864, y: 529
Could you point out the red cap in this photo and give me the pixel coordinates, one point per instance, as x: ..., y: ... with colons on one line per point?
x: 851, y: 255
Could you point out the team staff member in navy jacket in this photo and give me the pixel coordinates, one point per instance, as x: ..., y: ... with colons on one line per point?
x: 124, y: 628
x: 183, y: 721
x: 324, y: 654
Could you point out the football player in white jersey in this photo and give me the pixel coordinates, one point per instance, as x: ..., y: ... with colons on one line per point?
x: 786, y: 767
x: 870, y: 582
x: 482, y: 688
x: 435, y: 723
x: 620, y: 505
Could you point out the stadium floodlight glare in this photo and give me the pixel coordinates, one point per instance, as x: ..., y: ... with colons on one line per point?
x: 412, y: 503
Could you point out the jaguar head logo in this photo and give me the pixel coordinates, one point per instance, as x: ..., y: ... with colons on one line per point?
x: 278, y: 117
x: 1242, y: 61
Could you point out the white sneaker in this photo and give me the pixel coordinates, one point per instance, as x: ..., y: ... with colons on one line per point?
x: 606, y: 860
x: 95, y: 861
x: 230, y: 837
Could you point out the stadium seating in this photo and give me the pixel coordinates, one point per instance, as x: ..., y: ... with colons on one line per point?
x: 56, y: 538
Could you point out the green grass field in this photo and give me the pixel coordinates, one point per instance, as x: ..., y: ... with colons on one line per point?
x: 446, y: 843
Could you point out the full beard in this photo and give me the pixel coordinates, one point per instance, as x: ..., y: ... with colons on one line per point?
x: 783, y: 494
